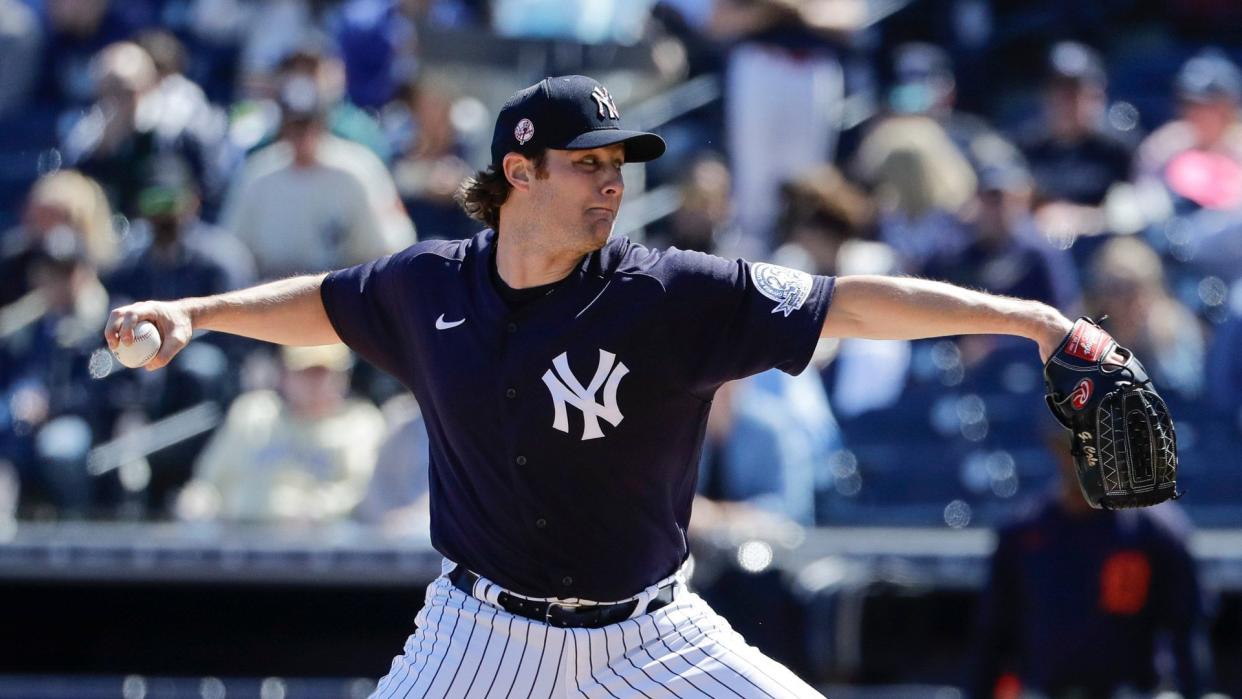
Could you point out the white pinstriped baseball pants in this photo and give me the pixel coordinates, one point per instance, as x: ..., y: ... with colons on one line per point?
x: 466, y: 648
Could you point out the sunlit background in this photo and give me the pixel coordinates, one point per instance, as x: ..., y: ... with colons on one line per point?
x: 251, y: 522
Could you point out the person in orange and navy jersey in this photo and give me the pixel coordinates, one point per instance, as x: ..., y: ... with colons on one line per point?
x: 1082, y: 602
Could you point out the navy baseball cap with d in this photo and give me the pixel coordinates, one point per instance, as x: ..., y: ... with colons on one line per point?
x: 571, y: 112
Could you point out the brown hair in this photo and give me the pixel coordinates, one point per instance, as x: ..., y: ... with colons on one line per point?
x: 913, y: 167
x: 482, y: 195
x: 1127, y: 261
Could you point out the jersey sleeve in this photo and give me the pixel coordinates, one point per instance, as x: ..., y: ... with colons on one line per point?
x: 363, y: 304
x: 735, y: 318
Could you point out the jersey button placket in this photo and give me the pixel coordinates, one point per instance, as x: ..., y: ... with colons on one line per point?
x: 508, y: 387
x: 567, y: 581
x: 541, y: 523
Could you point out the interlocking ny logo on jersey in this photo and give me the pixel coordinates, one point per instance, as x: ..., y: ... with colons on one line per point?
x: 566, y: 388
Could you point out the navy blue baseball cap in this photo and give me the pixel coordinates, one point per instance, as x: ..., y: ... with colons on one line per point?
x: 571, y: 112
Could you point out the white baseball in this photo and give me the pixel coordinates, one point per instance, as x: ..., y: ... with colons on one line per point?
x: 143, y: 349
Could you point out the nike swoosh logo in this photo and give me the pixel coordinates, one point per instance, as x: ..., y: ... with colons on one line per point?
x: 442, y: 325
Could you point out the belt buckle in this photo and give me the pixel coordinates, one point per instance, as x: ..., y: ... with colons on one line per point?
x: 547, y: 614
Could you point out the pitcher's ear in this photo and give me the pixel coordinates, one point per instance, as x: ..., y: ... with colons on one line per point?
x: 518, y: 170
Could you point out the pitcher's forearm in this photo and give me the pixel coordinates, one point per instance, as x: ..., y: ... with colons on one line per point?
x: 286, y: 312
x: 902, y: 308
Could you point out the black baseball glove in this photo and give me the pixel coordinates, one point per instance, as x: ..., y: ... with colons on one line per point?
x: 1123, y: 442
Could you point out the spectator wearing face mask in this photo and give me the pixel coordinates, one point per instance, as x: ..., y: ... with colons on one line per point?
x: 66, y: 199
x: 312, y: 200
x: 54, y: 412
x: 1076, y: 159
x: 431, y: 160
x: 179, y: 254
x: 1002, y: 257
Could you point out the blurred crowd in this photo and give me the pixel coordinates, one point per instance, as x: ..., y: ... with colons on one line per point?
x: 1084, y: 154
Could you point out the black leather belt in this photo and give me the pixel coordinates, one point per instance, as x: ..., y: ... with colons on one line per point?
x: 566, y: 616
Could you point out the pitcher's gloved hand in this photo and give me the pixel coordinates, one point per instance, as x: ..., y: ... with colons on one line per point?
x: 1122, y: 438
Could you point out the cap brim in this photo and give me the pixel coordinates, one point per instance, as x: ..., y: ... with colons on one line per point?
x: 640, y: 146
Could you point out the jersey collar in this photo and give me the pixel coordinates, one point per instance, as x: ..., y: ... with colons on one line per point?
x: 579, y: 288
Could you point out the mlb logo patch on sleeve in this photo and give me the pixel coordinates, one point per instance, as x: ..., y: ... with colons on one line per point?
x: 789, y: 288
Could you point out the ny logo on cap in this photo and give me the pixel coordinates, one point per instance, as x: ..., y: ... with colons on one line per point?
x: 604, y: 100
x: 567, y: 389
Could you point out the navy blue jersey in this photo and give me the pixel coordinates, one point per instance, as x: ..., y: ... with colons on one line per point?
x: 1079, y: 601
x: 565, y: 435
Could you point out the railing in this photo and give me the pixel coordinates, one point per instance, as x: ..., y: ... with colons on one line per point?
x: 646, y: 207
x: 349, y: 553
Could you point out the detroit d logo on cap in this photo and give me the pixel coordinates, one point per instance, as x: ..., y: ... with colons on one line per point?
x: 524, y: 131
